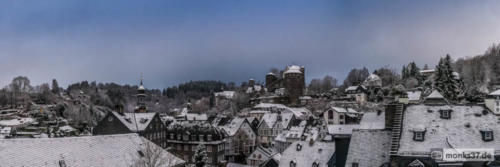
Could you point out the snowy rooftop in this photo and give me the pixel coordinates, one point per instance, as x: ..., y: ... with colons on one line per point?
x: 427, y: 71
x: 269, y: 105
x: 345, y: 129
x: 462, y: 130
x: 271, y: 119
x: 495, y: 93
x: 293, y: 69
x: 16, y: 122
x: 225, y: 94
x: 265, y: 153
x: 414, y: 95
x: 299, y: 112
x: 344, y: 110
x: 373, y: 120
x: 319, y: 152
x: 104, y: 150
x: 196, y: 117
x: 135, y: 121
x: 369, y: 147
x: 232, y: 127
x: 435, y: 95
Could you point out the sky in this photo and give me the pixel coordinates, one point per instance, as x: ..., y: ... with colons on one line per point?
x: 175, y: 41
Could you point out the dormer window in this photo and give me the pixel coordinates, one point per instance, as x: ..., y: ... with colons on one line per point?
x: 355, y: 164
x: 293, y: 164
x: 419, y: 135
x: 487, y: 135
x: 299, y: 147
x: 315, y: 164
x: 445, y: 114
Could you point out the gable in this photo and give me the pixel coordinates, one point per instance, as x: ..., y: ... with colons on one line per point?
x: 110, y: 124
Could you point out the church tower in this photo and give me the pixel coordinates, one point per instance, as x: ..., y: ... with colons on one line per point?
x: 141, y: 95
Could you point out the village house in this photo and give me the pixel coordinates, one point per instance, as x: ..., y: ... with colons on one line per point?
x: 103, y: 150
x: 240, y: 140
x: 492, y: 102
x: 148, y: 125
x: 358, y: 93
x: 272, y: 125
x: 184, y: 138
x: 341, y: 115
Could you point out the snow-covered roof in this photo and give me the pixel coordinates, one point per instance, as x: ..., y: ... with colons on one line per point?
x: 66, y: 128
x: 344, y: 110
x: 427, y: 71
x: 372, y: 120
x: 196, y: 117
x: 231, y: 164
x: 369, y: 147
x: 373, y: 80
x: 293, y: 69
x: 299, y: 112
x: 232, y: 127
x: 225, y: 94
x: 351, y: 88
x: 135, y: 121
x: 141, y: 87
x: 295, y: 132
x: 259, y: 112
x: 16, y: 122
x: 462, y: 130
x: 495, y: 93
x: 262, y: 154
x: 414, y: 95
x: 271, y: 118
x: 319, y: 152
x: 5, y: 130
x: 435, y: 95
x: 103, y: 150
x: 345, y: 129
x: 270, y: 105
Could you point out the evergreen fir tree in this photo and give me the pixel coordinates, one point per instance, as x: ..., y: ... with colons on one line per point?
x: 446, y: 82
x: 200, y: 158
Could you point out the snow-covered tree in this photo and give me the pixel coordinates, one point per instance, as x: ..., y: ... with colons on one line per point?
x: 200, y: 158
x: 446, y: 81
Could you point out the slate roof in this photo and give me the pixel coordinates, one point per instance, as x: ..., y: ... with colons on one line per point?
x: 319, y: 152
x: 462, y: 130
x: 135, y: 122
x: 89, y: 151
x: 369, y: 148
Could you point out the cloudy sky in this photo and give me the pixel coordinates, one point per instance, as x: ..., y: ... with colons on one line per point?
x: 174, y: 41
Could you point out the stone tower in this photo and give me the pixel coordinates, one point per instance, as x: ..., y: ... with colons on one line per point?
x: 294, y: 82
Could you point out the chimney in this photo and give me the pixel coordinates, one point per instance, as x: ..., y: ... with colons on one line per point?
x: 311, y: 142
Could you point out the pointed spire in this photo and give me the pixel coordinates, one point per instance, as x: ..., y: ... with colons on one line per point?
x: 142, y: 78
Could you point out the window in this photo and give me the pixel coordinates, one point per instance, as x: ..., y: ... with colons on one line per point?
x: 445, y: 114
x: 330, y: 114
x: 315, y: 164
x: 487, y: 135
x: 171, y: 136
x: 354, y: 164
x: 341, y: 116
x: 209, y: 149
x: 209, y: 138
x: 418, y: 136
